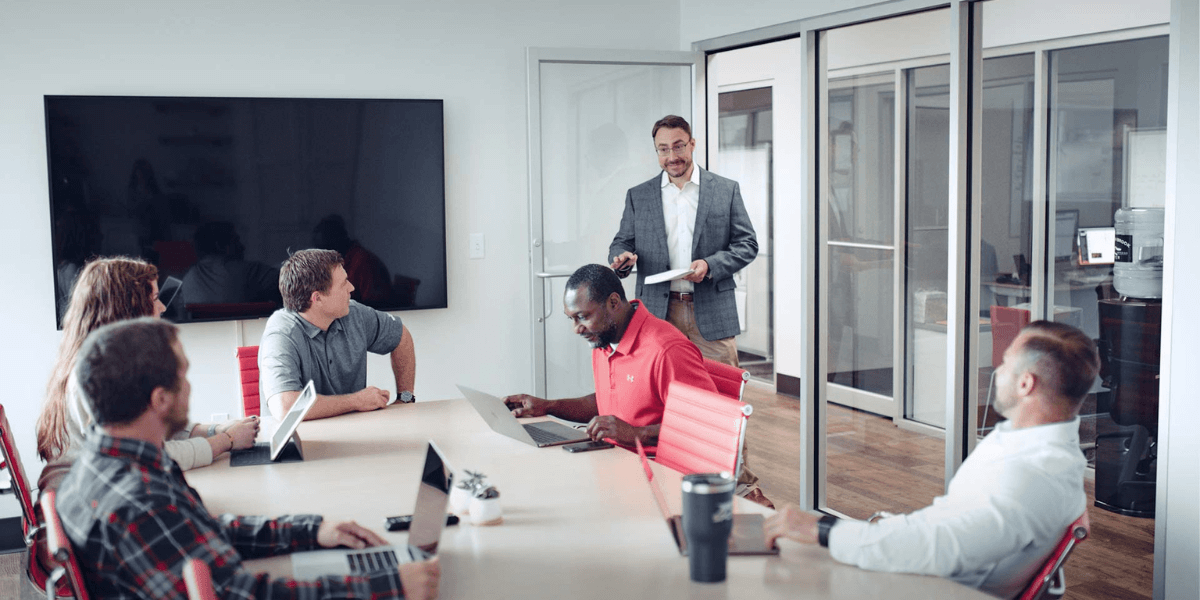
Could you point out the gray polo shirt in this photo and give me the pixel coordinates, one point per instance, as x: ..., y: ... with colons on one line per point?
x: 292, y: 351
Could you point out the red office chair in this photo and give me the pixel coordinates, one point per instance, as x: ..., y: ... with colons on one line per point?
x: 61, y: 551
x: 1049, y: 582
x: 30, y: 522
x: 702, y: 431
x: 730, y: 380
x: 198, y: 580
x: 247, y: 358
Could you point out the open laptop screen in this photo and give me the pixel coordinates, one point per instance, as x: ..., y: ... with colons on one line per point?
x: 292, y: 420
x: 433, y: 494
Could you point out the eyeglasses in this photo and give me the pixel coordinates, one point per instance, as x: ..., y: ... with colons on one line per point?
x: 677, y: 149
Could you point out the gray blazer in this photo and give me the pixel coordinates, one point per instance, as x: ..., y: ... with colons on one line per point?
x: 723, y: 237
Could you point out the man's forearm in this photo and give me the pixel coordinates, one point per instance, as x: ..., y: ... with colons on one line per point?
x: 325, y: 406
x: 580, y: 410
x: 649, y: 434
x: 404, y: 363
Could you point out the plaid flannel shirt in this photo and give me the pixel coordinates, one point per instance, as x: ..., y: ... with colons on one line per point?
x: 133, y: 521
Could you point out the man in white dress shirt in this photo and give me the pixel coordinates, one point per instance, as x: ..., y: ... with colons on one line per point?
x: 687, y: 218
x: 1013, y: 498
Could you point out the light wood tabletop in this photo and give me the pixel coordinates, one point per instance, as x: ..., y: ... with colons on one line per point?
x: 575, y: 525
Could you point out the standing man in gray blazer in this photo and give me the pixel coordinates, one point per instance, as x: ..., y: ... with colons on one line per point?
x: 687, y: 218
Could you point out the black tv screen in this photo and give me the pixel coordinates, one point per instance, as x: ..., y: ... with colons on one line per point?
x: 217, y: 192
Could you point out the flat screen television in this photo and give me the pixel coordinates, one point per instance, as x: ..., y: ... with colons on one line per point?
x: 217, y: 192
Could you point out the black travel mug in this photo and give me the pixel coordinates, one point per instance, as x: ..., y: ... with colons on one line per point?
x: 707, y: 523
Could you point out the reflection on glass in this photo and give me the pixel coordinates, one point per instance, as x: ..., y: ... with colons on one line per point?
x: 873, y: 460
x: 595, y: 145
x: 861, y: 206
x: 928, y: 217
x: 1108, y: 143
x: 1007, y: 187
x: 745, y: 156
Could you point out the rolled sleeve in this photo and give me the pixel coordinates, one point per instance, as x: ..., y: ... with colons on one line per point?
x: 278, y: 365
x: 381, y: 331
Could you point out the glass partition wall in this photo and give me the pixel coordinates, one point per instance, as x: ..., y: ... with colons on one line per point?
x: 885, y: 163
x: 1070, y: 132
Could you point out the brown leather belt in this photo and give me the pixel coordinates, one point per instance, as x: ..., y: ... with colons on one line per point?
x: 681, y: 296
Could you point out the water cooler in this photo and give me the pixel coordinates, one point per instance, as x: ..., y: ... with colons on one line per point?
x: 1130, y: 341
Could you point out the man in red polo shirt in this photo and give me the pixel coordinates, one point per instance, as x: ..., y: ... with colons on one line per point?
x: 635, y: 357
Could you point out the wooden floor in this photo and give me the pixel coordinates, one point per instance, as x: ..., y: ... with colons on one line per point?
x: 874, y: 465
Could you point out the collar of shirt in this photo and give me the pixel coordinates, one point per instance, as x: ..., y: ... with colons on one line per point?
x: 625, y: 344
x: 666, y: 179
x: 312, y: 331
x: 1066, y: 432
x: 130, y: 449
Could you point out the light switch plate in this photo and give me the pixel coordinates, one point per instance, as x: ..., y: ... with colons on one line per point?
x: 476, y: 245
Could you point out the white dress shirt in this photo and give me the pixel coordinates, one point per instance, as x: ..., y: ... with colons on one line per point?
x: 1006, y: 509
x: 679, y: 213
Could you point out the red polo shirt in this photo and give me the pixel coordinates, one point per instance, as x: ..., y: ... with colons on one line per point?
x: 632, y: 381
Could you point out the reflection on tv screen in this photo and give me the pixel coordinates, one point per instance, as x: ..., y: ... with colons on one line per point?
x: 217, y: 192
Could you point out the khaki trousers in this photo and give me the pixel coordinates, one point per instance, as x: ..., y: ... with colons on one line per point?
x: 682, y: 314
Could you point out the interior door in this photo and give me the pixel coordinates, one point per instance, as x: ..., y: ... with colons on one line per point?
x: 753, y: 125
x: 590, y: 117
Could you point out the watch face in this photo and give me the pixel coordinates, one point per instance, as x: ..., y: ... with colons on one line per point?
x: 407, y: 397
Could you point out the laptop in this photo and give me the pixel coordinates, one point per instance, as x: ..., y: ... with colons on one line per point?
x: 747, y: 537
x: 429, y: 518
x: 284, y: 445
x: 501, y: 420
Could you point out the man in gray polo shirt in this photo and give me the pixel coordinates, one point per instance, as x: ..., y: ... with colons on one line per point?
x: 323, y: 335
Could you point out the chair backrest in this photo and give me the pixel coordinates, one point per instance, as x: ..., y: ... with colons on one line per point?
x: 1007, y: 322
x: 198, y: 579
x: 702, y: 431
x: 730, y: 380
x: 61, y: 551
x: 247, y: 359
x: 1038, y: 586
x: 20, y: 483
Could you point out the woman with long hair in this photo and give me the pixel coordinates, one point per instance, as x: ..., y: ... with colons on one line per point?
x: 110, y: 290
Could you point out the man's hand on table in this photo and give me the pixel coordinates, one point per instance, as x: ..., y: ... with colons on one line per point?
x: 791, y: 523
x: 608, y: 426
x: 332, y: 534
x: 420, y: 579
x: 370, y: 398
x: 242, y: 432
x: 524, y: 405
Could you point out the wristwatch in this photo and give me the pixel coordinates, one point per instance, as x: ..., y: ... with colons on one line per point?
x: 823, y: 527
x: 406, y: 397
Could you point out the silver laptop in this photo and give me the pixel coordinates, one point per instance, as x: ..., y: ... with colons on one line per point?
x: 747, y: 537
x: 284, y: 445
x: 501, y: 420
x: 429, y: 518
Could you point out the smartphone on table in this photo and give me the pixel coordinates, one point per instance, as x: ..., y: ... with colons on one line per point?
x: 587, y: 446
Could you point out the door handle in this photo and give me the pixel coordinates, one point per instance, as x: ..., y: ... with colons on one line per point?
x: 552, y: 275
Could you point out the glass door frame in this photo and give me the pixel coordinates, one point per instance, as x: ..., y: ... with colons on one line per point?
x: 539, y: 279
x: 1174, y: 554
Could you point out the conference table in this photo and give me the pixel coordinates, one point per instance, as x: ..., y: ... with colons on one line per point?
x: 575, y: 525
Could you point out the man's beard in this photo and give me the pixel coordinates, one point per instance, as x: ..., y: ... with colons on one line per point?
x: 606, y: 338
x: 176, y: 422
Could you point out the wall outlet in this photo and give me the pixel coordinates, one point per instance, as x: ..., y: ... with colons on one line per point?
x: 219, y: 417
x: 476, y: 245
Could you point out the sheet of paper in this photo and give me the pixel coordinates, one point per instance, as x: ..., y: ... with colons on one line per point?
x: 669, y: 275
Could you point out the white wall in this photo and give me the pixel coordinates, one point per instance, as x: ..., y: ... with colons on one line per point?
x: 470, y: 53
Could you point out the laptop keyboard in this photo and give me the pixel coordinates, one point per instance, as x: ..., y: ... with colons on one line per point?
x: 542, y: 436
x: 369, y: 562
x: 256, y: 454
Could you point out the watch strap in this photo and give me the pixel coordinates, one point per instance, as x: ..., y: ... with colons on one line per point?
x: 824, y: 525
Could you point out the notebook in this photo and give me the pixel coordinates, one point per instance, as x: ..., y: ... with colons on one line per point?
x: 429, y: 518
x: 501, y: 420
x: 284, y: 446
x: 747, y: 537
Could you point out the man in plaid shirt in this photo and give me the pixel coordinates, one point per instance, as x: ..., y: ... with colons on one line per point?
x: 132, y: 517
